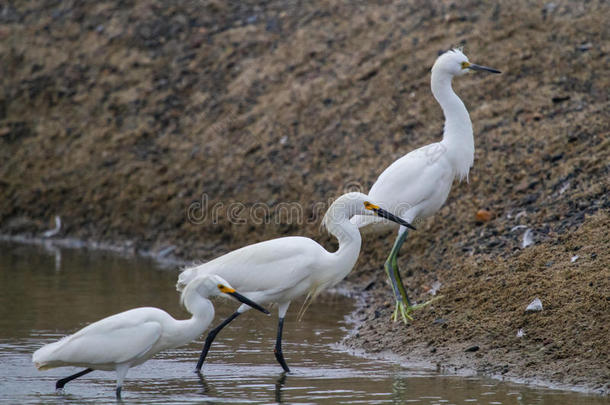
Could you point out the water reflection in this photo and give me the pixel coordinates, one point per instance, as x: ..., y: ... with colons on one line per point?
x: 40, y: 303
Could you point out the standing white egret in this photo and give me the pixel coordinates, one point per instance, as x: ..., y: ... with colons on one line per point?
x: 130, y: 338
x: 416, y: 186
x: 280, y: 270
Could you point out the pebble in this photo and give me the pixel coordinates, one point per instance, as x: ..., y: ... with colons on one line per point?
x: 483, y: 215
x: 534, y: 306
x: 528, y: 238
x: 474, y: 348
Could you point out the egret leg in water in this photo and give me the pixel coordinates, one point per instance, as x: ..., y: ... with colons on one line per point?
x: 130, y: 338
x: 280, y: 270
x: 279, y: 356
x: 403, y: 303
x: 210, y: 338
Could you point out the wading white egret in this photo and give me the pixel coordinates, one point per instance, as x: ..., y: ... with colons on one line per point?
x: 130, y: 338
x: 280, y: 270
x: 416, y: 186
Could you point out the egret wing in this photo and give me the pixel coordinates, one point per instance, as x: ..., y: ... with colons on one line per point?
x: 109, y: 341
x: 271, y: 265
x: 404, y: 183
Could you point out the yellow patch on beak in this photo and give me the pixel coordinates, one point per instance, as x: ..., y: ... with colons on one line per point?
x: 225, y: 289
x: 370, y: 206
x: 465, y: 65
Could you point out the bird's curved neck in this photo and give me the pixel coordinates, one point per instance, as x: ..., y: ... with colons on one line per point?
x: 350, y: 242
x: 457, y: 133
x: 202, y: 310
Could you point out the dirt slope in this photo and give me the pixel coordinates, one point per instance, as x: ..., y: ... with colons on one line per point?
x: 193, y: 126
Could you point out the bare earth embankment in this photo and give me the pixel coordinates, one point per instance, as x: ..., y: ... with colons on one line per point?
x: 139, y: 125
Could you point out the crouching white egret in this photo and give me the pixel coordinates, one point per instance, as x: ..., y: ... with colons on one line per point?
x: 280, y: 270
x: 130, y: 338
x: 416, y: 186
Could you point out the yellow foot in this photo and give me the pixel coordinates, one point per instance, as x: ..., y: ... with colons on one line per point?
x: 404, y: 311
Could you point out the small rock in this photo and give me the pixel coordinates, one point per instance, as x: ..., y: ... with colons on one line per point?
x: 528, y: 238
x: 474, y: 348
x: 433, y: 350
x: 549, y: 7
x: 483, y: 215
x: 584, y: 47
x: 574, y: 258
x: 534, y: 306
x: 520, y: 333
x: 439, y: 321
x: 560, y: 99
x: 435, y: 287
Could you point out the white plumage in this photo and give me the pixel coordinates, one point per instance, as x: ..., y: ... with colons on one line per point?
x: 416, y: 186
x: 280, y: 270
x: 130, y: 338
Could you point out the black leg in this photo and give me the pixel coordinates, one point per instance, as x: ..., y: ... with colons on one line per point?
x: 278, y: 388
x: 118, y: 392
x: 60, y: 383
x: 211, y: 337
x: 205, y: 387
x: 279, y: 356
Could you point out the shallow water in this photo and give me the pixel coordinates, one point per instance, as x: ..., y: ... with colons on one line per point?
x: 47, y: 293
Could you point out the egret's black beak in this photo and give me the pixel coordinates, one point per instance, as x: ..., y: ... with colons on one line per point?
x: 388, y: 215
x: 245, y: 300
x: 480, y: 68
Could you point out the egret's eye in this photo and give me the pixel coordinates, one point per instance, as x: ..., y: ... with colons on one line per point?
x: 465, y: 65
x: 221, y: 287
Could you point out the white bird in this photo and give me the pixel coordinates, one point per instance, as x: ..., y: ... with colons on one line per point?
x: 415, y: 186
x: 52, y: 232
x: 130, y: 338
x: 280, y: 270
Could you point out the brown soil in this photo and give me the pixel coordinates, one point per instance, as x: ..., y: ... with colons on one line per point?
x: 474, y: 324
x: 119, y: 118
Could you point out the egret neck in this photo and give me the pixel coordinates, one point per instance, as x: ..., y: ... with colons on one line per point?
x: 338, y: 224
x: 202, y: 310
x: 457, y: 134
